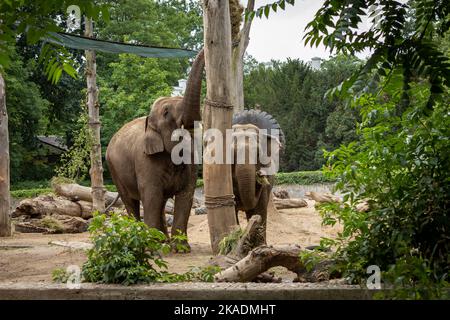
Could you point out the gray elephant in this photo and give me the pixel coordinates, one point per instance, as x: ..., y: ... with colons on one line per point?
x: 139, y: 157
x: 252, y: 189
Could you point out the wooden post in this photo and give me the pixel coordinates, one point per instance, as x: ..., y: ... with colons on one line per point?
x: 96, y: 171
x: 237, y: 65
x: 217, y: 114
x: 5, y: 220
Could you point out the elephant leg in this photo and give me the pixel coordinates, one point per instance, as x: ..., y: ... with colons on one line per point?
x: 132, y: 206
x: 154, y: 203
x: 182, y: 211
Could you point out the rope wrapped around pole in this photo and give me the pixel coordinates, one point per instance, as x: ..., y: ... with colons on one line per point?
x: 217, y: 104
x: 219, y: 201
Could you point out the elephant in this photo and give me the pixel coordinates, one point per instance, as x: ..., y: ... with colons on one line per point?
x: 251, y: 189
x: 139, y: 158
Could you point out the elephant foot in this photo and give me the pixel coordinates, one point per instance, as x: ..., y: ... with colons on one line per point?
x: 180, y: 247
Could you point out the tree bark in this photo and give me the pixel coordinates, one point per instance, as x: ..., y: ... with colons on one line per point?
x: 237, y: 65
x: 217, y: 177
x: 289, y: 203
x: 5, y: 220
x: 76, y: 192
x: 96, y: 171
x: 260, y: 260
x: 48, y: 204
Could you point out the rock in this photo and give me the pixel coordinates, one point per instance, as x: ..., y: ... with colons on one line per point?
x: 169, y: 220
x: 281, y: 194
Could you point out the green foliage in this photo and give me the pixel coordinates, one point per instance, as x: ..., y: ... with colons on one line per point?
x: 75, y: 163
x: 401, y: 161
x: 130, y: 90
x: 302, y: 178
x: 229, y: 242
x: 402, y: 165
x: 294, y: 94
x: 35, y: 20
x: 25, y: 107
x: 60, y: 275
x: 178, y: 242
x: 30, y: 193
x: 52, y: 223
x: 125, y: 251
x: 390, y: 37
x: 420, y: 282
x: 204, y: 274
x: 266, y: 9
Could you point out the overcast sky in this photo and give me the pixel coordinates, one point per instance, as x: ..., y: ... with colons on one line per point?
x: 280, y: 36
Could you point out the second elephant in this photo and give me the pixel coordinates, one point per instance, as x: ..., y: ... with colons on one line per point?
x: 253, y: 180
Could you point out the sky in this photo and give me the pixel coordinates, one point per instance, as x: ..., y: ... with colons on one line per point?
x: 280, y: 36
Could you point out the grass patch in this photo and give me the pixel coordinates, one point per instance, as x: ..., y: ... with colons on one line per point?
x: 228, y: 243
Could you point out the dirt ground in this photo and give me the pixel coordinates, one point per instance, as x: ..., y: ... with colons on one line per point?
x: 30, y: 258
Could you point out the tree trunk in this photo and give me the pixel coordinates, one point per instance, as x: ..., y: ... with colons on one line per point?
x: 96, y: 171
x: 5, y: 220
x: 48, y: 204
x: 218, y: 112
x: 289, y: 203
x: 237, y: 65
x: 260, y: 260
x: 76, y: 192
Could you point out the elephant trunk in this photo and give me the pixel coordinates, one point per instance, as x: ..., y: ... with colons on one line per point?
x: 246, y: 180
x: 191, y: 100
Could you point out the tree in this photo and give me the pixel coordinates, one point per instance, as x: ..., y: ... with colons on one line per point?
x: 401, y: 162
x: 217, y: 114
x: 5, y: 223
x: 96, y: 170
x: 35, y: 22
x: 293, y: 93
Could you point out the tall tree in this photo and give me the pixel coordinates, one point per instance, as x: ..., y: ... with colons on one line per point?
x: 33, y: 20
x: 240, y: 43
x: 5, y: 223
x: 96, y: 171
x: 217, y: 114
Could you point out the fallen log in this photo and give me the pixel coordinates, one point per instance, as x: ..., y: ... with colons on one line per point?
x: 50, y: 204
x: 250, y: 260
x: 52, y: 224
x: 322, y: 197
x: 260, y: 260
x: 77, y: 192
x: 289, y: 203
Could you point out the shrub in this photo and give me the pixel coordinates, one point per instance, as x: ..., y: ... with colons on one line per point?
x: 401, y: 164
x: 125, y: 251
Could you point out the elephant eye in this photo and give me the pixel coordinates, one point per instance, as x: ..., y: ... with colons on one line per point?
x: 166, y: 112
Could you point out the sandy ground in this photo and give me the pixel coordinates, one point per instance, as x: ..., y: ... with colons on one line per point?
x: 30, y: 257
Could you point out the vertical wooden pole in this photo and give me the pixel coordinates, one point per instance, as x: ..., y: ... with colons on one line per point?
x: 217, y: 114
x: 5, y: 220
x: 96, y: 171
x: 237, y: 66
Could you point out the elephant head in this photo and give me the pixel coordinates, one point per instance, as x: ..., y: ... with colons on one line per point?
x: 170, y: 113
x: 248, y: 161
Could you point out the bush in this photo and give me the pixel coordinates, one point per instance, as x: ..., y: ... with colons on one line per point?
x: 125, y: 251
x: 302, y: 177
x: 401, y: 164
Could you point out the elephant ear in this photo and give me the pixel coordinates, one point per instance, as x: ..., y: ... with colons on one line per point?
x: 153, y: 142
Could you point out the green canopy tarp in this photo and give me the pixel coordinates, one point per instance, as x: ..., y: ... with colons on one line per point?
x: 84, y: 43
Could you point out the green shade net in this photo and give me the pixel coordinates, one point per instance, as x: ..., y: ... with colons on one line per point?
x: 84, y: 43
